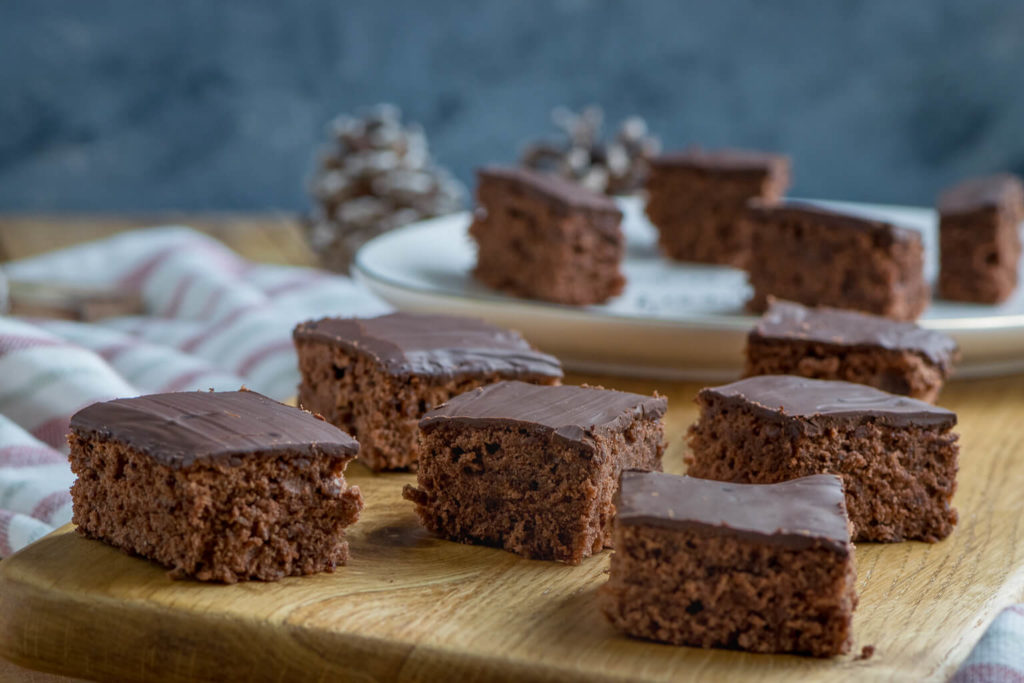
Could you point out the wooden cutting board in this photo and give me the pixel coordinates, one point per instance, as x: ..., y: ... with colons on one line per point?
x: 413, y: 608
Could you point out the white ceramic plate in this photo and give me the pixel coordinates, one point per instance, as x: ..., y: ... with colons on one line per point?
x: 674, y: 320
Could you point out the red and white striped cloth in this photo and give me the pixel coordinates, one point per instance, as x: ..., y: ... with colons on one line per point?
x: 213, y: 320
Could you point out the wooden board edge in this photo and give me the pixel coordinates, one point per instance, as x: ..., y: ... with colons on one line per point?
x: 36, y: 620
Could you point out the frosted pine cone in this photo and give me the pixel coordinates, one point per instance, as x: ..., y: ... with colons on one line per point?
x: 377, y: 175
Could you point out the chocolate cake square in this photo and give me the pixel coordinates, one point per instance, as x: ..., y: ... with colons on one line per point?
x: 532, y: 469
x: 897, y: 455
x: 979, y: 239
x: 216, y: 486
x: 829, y: 343
x: 543, y: 237
x: 819, y: 257
x: 698, y: 201
x: 764, y: 568
x: 376, y: 377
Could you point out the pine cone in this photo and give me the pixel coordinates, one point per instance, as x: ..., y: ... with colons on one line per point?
x: 377, y: 176
x: 615, y: 166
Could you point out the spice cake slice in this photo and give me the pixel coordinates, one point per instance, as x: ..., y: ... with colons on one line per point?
x: 376, y: 377
x: 764, y: 568
x: 543, y: 237
x: 697, y: 200
x: 819, y: 257
x: 217, y: 486
x: 533, y: 469
x: 897, y: 455
x: 979, y: 239
x: 829, y: 343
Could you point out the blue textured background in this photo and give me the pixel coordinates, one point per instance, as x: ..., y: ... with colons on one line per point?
x: 220, y: 105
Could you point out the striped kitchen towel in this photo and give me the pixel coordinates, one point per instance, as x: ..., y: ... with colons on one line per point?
x: 999, y: 655
x: 213, y: 320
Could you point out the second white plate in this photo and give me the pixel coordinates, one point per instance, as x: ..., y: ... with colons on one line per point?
x: 674, y: 320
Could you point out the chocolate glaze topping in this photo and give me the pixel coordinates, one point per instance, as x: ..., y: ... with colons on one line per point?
x: 725, y: 160
x: 837, y: 327
x: 552, y: 188
x: 982, y: 193
x: 797, y: 210
x: 569, y: 413
x: 817, y: 403
x: 809, y: 512
x: 179, y: 429
x: 442, y: 346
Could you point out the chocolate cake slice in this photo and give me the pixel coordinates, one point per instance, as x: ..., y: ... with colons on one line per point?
x: 979, y: 239
x: 216, y: 486
x: 532, y: 469
x: 698, y: 201
x: 829, y: 343
x: 764, y: 568
x: 376, y: 377
x: 543, y: 237
x: 897, y: 455
x: 819, y: 257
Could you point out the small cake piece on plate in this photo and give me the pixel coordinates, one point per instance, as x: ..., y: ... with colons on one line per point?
x: 829, y: 343
x: 216, y: 486
x: 764, y: 568
x: 698, y: 201
x: 376, y: 377
x: 897, y: 455
x: 815, y: 256
x: 979, y: 239
x: 543, y: 237
x: 533, y: 469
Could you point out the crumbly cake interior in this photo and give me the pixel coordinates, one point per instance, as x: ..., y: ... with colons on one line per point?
x: 979, y: 253
x: 532, y: 248
x: 688, y: 587
x: 269, y: 517
x: 799, y: 259
x: 379, y: 410
x: 895, y: 371
x: 518, y: 489
x: 899, y: 481
x: 703, y: 217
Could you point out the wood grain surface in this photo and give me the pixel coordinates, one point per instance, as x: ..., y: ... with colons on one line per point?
x: 414, y: 608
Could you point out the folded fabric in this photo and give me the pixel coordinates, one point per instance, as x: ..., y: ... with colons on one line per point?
x: 999, y: 655
x: 213, y: 321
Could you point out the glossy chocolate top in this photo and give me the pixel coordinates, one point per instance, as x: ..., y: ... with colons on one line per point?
x: 982, y: 193
x: 819, y: 403
x: 809, y: 512
x: 569, y: 413
x: 551, y: 187
x: 725, y: 160
x: 179, y: 429
x: 837, y: 327
x: 443, y: 346
x: 798, y: 210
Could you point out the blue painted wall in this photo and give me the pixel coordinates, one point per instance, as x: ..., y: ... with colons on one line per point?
x: 220, y: 105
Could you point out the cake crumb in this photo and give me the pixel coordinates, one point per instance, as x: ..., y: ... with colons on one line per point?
x: 866, y: 652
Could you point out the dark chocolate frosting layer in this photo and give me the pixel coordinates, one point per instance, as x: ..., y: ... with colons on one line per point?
x: 551, y: 187
x: 179, y: 429
x: 725, y: 160
x: 797, y: 210
x: 442, y: 346
x: 809, y: 512
x: 837, y: 327
x: 568, y: 412
x: 822, y: 402
x: 982, y: 193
